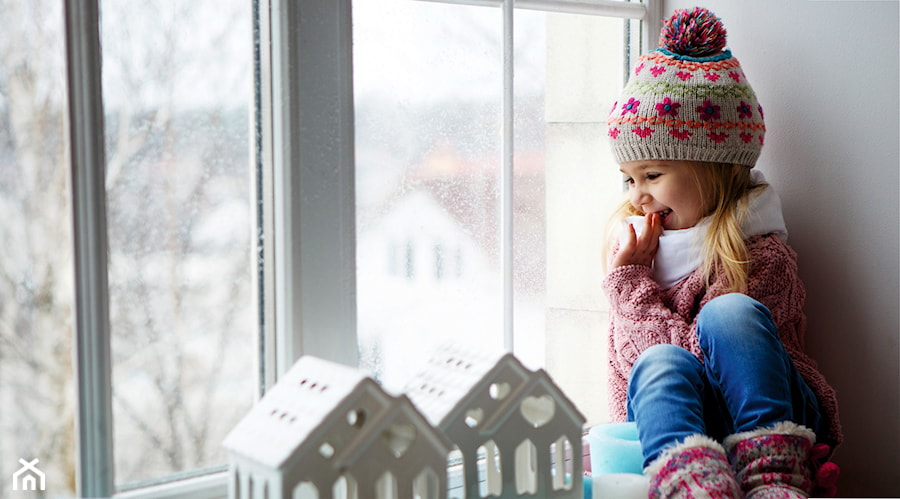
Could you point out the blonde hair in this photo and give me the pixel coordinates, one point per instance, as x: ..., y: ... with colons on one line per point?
x: 728, y: 189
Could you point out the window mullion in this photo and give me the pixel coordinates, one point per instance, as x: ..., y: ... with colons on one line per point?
x: 652, y: 21
x: 92, y: 339
x: 506, y: 175
x: 313, y: 196
x: 264, y: 173
x: 606, y: 8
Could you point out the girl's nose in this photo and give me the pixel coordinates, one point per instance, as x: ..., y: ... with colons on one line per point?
x: 638, y: 196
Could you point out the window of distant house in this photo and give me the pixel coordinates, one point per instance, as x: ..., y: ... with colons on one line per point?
x: 428, y: 92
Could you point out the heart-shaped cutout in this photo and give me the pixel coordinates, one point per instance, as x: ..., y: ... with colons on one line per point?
x: 538, y: 411
x: 474, y: 417
x: 399, y: 437
x: 498, y: 391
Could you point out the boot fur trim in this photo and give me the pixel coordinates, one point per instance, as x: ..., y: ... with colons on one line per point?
x: 780, y: 428
x: 690, y: 442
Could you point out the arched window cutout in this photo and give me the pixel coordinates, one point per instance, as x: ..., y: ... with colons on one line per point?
x: 425, y: 485
x: 526, y: 468
x: 456, y: 474
x: 345, y: 488
x: 386, y: 486
x: 236, y: 483
x: 305, y: 490
x: 490, y: 476
x: 561, y: 464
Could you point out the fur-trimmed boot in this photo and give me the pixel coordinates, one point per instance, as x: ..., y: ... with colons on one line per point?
x: 693, y: 469
x: 773, y: 462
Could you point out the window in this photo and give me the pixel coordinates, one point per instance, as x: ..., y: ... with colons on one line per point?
x: 36, y: 384
x: 393, y: 230
x: 431, y: 167
x: 177, y: 99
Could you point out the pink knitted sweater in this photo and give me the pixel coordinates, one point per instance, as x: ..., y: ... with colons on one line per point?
x: 642, y: 315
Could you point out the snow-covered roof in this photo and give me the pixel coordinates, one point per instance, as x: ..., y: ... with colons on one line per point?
x: 288, y: 413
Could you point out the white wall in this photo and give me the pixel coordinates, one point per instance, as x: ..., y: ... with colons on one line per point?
x: 826, y: 73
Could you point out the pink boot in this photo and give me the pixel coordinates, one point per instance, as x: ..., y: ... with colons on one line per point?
x: 774, y: 462
x: 695, y: 468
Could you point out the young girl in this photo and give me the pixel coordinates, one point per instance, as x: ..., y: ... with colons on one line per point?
x: 707, y: 327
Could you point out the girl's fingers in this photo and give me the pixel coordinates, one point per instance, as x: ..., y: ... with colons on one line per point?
x: 631, y: 239
x: 650, y: 236
x: 640, y: 249
x: 626, y: 252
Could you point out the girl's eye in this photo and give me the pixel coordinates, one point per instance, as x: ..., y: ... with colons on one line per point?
x: 653, y: 176
x: 629, y: 180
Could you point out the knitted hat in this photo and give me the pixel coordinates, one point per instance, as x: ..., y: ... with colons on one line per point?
x: 688, y: 99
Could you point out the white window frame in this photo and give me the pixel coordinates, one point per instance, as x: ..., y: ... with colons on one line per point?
x: 307, y: 149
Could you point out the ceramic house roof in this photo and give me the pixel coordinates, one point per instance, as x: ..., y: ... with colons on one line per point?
x: 294, y: 408
x: 449, y: 376
x: 455, y: 376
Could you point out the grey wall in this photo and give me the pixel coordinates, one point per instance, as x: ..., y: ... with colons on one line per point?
x: 826, y: 73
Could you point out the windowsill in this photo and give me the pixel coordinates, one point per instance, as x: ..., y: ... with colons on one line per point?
x: 211, y: 486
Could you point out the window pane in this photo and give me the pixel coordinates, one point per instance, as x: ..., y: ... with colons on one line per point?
x: 177, y: 88
x: 428, y: 91
x: 529, y: 187
x: 583, y: 184
x: 37, y: 392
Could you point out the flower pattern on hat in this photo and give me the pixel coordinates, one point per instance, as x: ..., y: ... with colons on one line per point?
x: 709, y: 111
x: 667, y: 107
x: 630, y: 106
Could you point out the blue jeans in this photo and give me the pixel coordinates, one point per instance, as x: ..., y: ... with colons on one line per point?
x: 747, y: 381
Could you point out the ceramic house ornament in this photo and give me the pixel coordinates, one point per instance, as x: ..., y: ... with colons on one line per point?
x: 327, y: 431
x: 518, y: 435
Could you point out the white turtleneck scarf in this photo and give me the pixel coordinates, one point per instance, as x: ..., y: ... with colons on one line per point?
x: 679, y: 251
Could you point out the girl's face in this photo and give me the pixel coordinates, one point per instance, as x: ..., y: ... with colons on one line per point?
x: 668, y: 188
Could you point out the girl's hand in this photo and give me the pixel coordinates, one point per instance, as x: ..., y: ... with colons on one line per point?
x: 640, y: 250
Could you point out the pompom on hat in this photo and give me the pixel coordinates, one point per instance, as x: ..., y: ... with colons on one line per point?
x: 688, y: 99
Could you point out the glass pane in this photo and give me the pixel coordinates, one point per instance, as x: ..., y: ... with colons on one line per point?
x: 428, y: 88
x: 37, y: 391
x: 427, y: 82
x: 584, y: 74
x: 529, y: 187
x: 177, y: 82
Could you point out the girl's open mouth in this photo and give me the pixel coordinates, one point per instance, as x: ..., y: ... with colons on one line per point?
x: 663, y: 215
